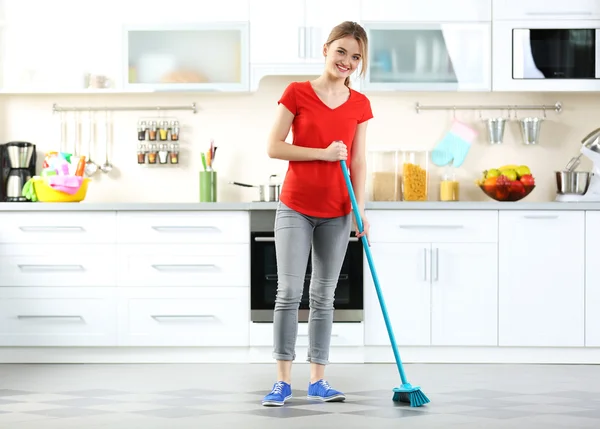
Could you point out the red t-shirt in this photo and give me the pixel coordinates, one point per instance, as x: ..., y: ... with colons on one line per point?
x: 318, y: 188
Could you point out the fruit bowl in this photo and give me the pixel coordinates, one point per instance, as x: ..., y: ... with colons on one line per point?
x: 507, y: 192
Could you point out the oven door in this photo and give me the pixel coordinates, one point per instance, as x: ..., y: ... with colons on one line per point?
x: 348, y: 302
x: 546, y: 55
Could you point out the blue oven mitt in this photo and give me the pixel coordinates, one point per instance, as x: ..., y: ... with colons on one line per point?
x: 454, y: 146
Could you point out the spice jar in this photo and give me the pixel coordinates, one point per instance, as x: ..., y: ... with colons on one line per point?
x: 449, y: 187
x: 152, y: 131
x: 163, y: 154
x: 142, y: 130
x: 174, y: 153
x: 141, y: 154
x: 163, y: 131
x: 175, y: 130
x: 152, y: 154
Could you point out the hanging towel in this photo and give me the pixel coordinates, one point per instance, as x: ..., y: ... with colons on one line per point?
x: 454, y: 146
x: 67, y: 184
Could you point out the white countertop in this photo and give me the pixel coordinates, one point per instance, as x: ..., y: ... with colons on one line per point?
x: 233, y: 206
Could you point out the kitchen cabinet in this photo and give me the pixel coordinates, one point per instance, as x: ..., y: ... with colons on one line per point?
x: 203, y: 56
x: 423, y: 47
x: 541, y: 278
x: 545, y: 9
x: 288, y: 37
x: 592, y: 279
x: 438, y: 275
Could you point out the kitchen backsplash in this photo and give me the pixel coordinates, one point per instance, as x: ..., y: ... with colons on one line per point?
x: 239, y: 125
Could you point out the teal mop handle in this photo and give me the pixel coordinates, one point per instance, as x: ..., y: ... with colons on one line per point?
x: 373, y: 272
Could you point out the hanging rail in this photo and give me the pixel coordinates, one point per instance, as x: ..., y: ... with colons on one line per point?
x: 556, y: 107
x: 57, y: 108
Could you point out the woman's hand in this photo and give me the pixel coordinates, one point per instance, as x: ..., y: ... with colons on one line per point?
x: 365, y: 232
x: 336, y: 151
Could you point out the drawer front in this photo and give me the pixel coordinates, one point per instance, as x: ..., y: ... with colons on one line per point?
x: 534, y: 10
x: 342, y: 334
x: 58, y: 227
x: 442, y: 226
x: 216, y: 318
x: 539, y: 224
x: 59, y: 320
x: 184, y: 265
x: 184, y: 227
x: 63, y: 265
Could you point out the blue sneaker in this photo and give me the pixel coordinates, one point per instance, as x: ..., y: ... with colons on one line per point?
x: 321, y: 391
x: 281, y: 392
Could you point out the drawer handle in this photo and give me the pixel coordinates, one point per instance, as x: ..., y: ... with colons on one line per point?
x: 52, y: 229
x: 49, y: 317
x: 541, y: 216
x: 431, y: 226
x: 51, y: 268
x: 187, y: 268
x: 182, y: 316
x: 306, y: 335
x: 181, y: 229
x: 272, y: 239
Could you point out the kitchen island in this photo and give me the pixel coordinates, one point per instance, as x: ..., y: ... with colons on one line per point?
x: 146, y: 282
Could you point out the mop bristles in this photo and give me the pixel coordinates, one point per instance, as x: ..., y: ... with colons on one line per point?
x: 410, y: 394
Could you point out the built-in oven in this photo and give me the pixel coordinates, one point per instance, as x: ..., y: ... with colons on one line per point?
x: 542, y: 48
x: 348, y: 300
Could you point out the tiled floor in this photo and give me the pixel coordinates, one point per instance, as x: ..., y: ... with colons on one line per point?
x: 207, y: 396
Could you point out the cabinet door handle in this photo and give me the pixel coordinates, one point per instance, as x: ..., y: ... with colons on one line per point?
x: 50, y: 268
x: 437, y: 264
x: 332, y: 335
x: 425, y: 263
x: 186, y: 268
x: 430, y: 226
x: 301, y: 42
x: 540, y: 216
x: 182, y: 316
x: 185, y: 229
x: 52, y: 229
x: 41, y: 316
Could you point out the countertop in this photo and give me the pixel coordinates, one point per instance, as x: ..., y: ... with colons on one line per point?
x: 246, y: 206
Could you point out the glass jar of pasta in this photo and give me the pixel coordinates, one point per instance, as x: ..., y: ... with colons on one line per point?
x: 415, y: 175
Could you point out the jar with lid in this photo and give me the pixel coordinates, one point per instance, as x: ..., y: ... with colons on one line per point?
x: 175, y: 130
x: 142, y: 127
x: 141, y: 153
x: 152, y: 131
x: 384, y: 182
x: 415, y: 175
x: 174, y: 153
x: 449, y: 187
x: 152, y: 153
x: 163, y: 153
x: 163, y: 131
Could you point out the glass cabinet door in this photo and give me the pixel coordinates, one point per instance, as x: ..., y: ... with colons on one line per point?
x: 423, y: 57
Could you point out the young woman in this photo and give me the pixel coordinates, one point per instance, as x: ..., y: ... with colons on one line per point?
x: 328, y: 120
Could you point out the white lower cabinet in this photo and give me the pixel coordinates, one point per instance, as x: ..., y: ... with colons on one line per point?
x: 442, y: 292
x: 592, y: 280
x: 542, y: 278
x: 43, y: 316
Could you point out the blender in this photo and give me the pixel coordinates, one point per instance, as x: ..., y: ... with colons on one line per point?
x: 581, y: 186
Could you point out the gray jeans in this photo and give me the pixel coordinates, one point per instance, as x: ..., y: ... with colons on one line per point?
x: 295, y: 234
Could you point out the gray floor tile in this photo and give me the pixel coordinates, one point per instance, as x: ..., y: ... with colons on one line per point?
x: 497, y: 413
x: 67, y: 412
x: 389, y: 413
x: 175, y: 412
x: 284, y: 412
x: 93, y: 392
x: 82, y: 402
x: 194, y: 392
x: 4, y: 393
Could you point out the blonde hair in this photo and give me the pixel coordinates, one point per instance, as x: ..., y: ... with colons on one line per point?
x: 351, y: 28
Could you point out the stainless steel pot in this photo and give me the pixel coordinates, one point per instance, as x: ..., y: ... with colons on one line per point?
x: 572, y: 182
x: 268, y: 192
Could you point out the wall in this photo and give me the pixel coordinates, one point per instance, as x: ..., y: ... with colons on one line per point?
x: 240, y: 124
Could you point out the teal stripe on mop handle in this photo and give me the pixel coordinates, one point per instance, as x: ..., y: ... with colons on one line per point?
x: 406, y: 392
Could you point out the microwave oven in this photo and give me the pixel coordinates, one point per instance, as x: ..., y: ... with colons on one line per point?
x: 546, y: 55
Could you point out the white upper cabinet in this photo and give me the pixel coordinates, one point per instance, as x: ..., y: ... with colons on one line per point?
x: 424, y: 47
x: 545, y: 9
x: 287, y: 38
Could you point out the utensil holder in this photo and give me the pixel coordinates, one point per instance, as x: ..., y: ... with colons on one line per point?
x: 495, y: 128
x: 208, y: 186
x: 530, y: 130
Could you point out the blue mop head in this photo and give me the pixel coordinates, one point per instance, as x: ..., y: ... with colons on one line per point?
x: 410, y: 394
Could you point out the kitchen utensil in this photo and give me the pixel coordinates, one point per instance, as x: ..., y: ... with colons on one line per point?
x: 578, y: 185
x: 530, y: 130
x: 90, y: 166
x: 107, y: 167
x: 592, y: 142
x: 495, y: 128
x: 572, y: 182
x: 268, y: 192
x: 405, y: 392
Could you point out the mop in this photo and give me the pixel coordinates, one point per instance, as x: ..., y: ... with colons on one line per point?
x: 406, y: 392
